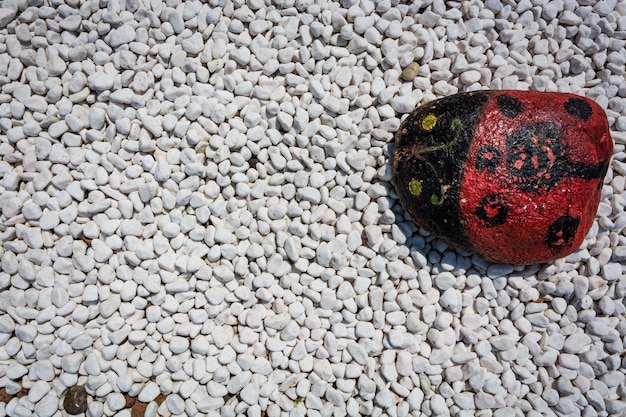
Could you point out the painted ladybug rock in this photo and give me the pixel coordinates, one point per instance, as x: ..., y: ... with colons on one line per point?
x: 512, y: 176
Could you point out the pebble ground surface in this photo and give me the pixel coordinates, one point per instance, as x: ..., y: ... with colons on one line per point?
x: 196, y: 203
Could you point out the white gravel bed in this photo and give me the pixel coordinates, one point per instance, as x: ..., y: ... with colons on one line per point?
x: 196, y: 202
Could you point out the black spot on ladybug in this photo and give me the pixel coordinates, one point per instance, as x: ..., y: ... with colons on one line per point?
x: 533, y: 156
x: 561, y: 232
x: 509, y: 106
x: 488, y: 158
x: 492, y: 212
x: 589, y: 172
x: 579, y: 108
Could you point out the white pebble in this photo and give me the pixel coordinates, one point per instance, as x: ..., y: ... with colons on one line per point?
x: 212, y: 186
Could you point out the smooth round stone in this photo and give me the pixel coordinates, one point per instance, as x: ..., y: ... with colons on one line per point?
x: 512, y: 176
x: 410, y: 71
x: 75, y: 401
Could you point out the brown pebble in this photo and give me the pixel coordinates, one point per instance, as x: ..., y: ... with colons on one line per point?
x: 410, y: 71
x: 75, y: 401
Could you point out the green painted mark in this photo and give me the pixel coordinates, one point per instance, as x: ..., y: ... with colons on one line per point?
x: 438, y: 200
x: 456, y: 125
x: 428, y: 123
x: 416, y: 187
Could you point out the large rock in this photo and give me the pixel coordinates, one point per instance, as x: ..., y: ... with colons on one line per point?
x: 512, y: 176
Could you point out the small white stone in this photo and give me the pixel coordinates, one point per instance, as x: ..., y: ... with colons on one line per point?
x: 47, y: 406
x: 438, y: 405
x: 444, y: 280
x: 499, y: 270
x: 102, y: 252
x: 44, y: 370
x: 240, y: 55
x: 57, y: 129
x: 236, y: 384
x: 37, y: 391
x: 309, y: 194
x: 612, y: 271
x: 504, y: 342
x: 403, y: 104
x: 7, y: 15
x: 149, y: 392
x: 366, y: 386
x: 576, y: 343
x: 70, y: 363
x: 546, y: 358
x: 115, y: 401
x: 194, y: 44
x: 122, y: 36
x: 358, y: 353
x: 123, y: 96
x: 250, y: 394
x: 451, y: 300
x: 483, y: 401
x: 131, y: 227
x: 223, y: 273
x: 110, y: 306
x: 615, y: 406
x: 49, y: 220
x: 175, y: 404
x: 16, y: 371
x: 91, y: 365
x: 470, y: 77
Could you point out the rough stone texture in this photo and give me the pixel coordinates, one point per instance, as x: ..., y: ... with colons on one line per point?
x: 513, y: 176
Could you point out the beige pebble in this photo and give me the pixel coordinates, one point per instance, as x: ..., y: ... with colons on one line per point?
x: 410, y: 71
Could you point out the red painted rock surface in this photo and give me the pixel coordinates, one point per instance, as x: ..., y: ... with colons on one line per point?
x: 512, y: 176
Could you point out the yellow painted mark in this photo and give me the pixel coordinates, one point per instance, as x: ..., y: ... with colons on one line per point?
x: 429, y: 122
x: 415, y: 187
